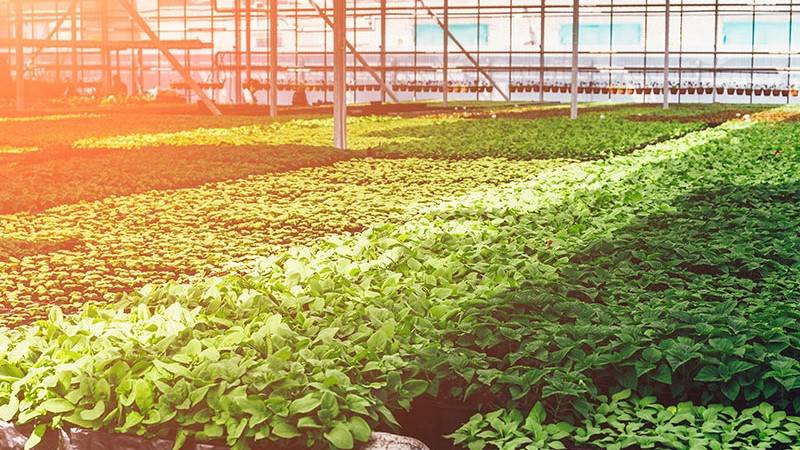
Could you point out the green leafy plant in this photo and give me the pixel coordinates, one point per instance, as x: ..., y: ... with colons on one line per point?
x: 545, y: 290
x: 509, y: 430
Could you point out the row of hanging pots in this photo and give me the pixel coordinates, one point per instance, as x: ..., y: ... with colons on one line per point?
x: 690, y: 90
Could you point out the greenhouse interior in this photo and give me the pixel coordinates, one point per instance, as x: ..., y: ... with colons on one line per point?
x: 399, y: 224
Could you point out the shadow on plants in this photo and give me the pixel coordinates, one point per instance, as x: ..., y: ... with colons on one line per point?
x: 697, y: 304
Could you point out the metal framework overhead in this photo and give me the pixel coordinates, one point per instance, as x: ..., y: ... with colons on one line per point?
x: 236, y: 51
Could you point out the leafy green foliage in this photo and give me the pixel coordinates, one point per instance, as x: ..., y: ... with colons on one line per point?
x: 504, y: 133
x: 37, y: 181
x: 624, y: 422
x: 509, y: 429
x: 526, y: 293
x: 89, y: 252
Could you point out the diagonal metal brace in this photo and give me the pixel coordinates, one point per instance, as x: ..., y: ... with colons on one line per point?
x: 187, y: 77
x: 466, y: 53
x: 375, y: 75
x: 60, y: 21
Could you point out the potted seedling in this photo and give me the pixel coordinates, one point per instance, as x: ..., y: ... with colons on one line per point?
x: 793, y: 91
x: 748, y: 90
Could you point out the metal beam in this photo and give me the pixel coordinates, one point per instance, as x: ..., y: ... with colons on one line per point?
x: 105, y: 54
x: 187, y: 77
x: 374, y: 74
x: 666, y: 56
x: 192, y: 44
x: 383, y: 48
x: 273, y: 58
x: 446, y: 53
x: 339, y: 81
x: 573, y: 109
x: 541, y: 56
x: 469, y: 57
x: 19, y: 55
x: 237, y: 46
x: 59, y: 22
x: 716, y: 39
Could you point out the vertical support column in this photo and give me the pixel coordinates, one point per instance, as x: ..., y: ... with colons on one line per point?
x: 789, y: 58
x: 339, y: 75
x: 73, y: 30
x: 383, y: 50
x: 573, y: 110
x: 541, y: 56
x: 237, y: 51
x: 446, y: 53
x: 105, y: 51
x: 273, y: 58
x: 680, y: 51
x: 248, y: 40
x: 19, y: 55
x: 611, y: 45
x: 716, y: 39
x: 644, y: 72
x: 510, y: 45
x: 666, y: 55
x: 753, y: 50
x: 134, y: 80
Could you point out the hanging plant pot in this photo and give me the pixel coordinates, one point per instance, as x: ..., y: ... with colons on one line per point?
x: 794, y: 92
x: 785, y: 92
x: 657, y: 91
x: 720, y: 90
x: 673, y: 90
x: 647, y: 91
x: 534, y: 88
x: 739, y: 91
x: 767, y: 92
x: 691, y: 90
x: 596, y: 90
x: 776, y: 92
x: 547, y: 88
x: 709, y: 90
x: 630, y: 91
x: 682, y: 91
x: 731, y: 91
x: 640, y: 90
x: 758, y: 91
x: 605, y: 90
x: 473, y: 89
x: 564, y: 89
